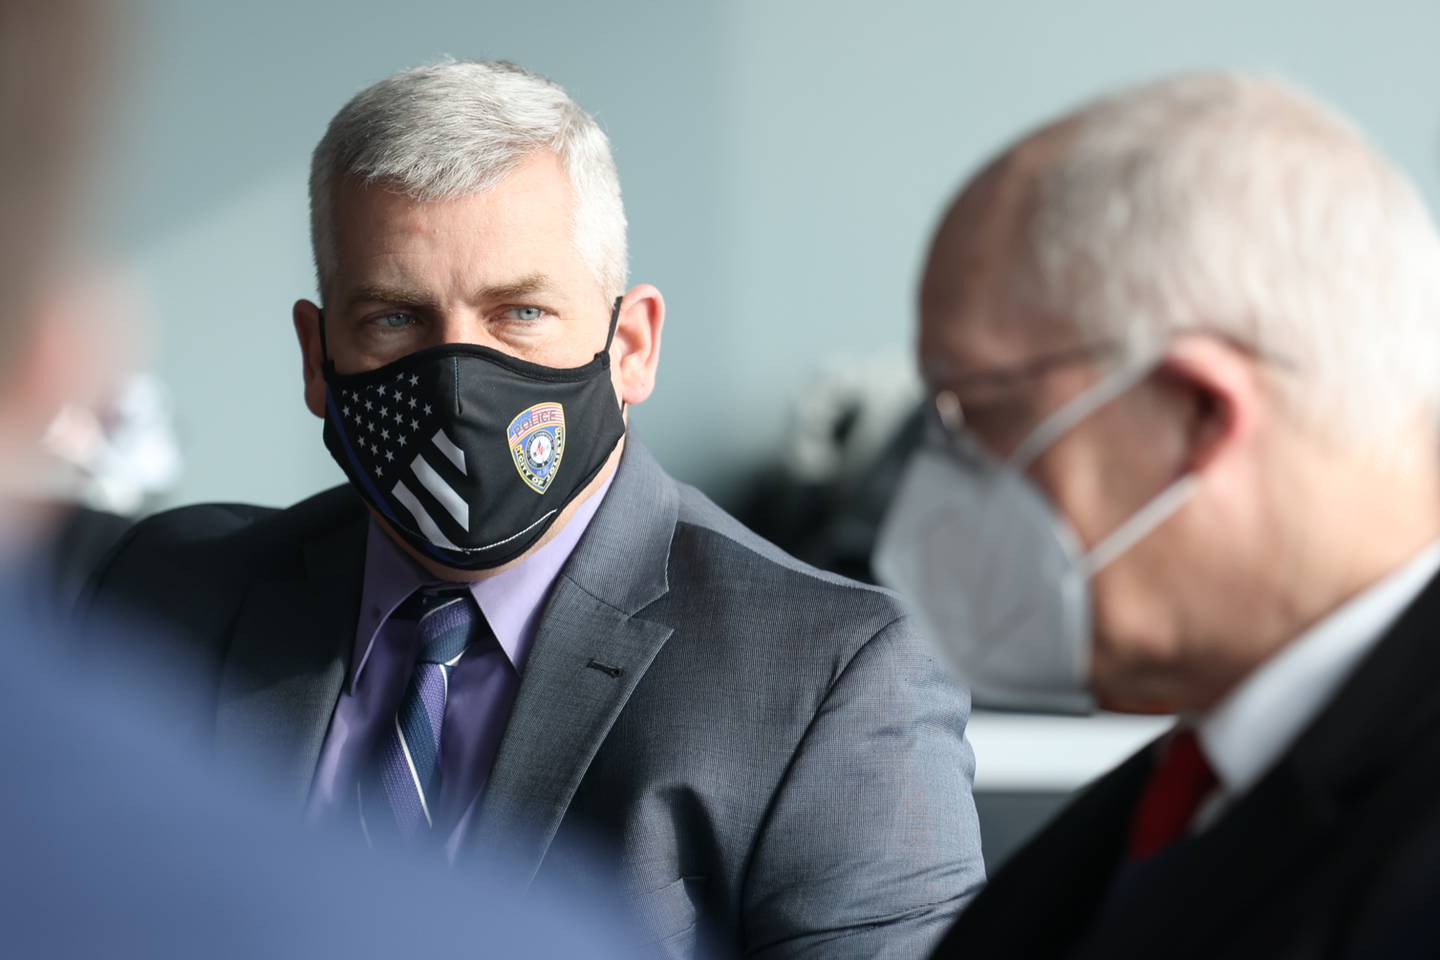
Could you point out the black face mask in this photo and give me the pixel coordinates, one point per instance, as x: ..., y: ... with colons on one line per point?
x: 471, y: 454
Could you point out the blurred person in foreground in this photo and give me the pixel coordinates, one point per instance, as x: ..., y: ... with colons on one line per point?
x: 1184, y: 351
x: 116, y: 839
x: 511, y: 629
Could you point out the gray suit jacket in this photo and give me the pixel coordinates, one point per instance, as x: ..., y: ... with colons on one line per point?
x: 771, y: 754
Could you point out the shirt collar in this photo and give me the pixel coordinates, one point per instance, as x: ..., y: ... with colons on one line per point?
x: 1246, y: 733
x: 510, y: 600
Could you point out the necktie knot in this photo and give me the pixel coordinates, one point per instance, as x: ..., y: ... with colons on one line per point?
x: 1180, y: 783
x: 446, y: 619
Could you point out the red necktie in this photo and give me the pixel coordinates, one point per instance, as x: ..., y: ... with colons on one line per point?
x: 1179, y: 783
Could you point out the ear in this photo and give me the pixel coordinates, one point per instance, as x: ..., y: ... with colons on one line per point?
x: 307, y: 330
x: 1225, y: 399
x: 635, y: 354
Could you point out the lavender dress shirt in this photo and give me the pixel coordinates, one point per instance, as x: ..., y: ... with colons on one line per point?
x: 482, y: 686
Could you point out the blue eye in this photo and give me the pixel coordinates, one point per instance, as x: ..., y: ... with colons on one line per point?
x: 527, y: 314
x: 394, y: 321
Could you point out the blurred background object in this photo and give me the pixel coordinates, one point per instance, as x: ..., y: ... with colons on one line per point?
x: 57, y: 348
x: 108, y: 463
x: 783, y: 165
x: 846, y: 440
x: 118, y: 457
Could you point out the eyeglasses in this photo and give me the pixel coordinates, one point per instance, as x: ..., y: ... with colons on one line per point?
x: 948, y: 430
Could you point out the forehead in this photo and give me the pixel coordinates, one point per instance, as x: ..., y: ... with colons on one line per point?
x: 970, y: 319
x: 524, y: 221
x: 969, y: 322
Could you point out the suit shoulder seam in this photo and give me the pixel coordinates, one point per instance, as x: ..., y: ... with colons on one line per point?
x: 799, y: 567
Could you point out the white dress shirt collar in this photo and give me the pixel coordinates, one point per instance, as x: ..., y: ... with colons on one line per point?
x: 1247, y: 732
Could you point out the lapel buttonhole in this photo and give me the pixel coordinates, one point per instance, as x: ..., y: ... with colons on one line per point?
x: 607, y: 669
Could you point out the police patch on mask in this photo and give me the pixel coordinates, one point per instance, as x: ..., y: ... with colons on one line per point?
x: 537, y: 443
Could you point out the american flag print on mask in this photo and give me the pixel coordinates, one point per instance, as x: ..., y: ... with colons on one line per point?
x: 400, y: 442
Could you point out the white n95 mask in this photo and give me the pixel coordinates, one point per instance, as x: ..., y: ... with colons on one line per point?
x: 995, y: 573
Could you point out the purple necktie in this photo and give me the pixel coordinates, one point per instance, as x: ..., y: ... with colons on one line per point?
x: 447, y: 622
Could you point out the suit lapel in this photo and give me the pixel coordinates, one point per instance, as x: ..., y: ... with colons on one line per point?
x: 287, y: 658
x: 563, y: 712
x: 592, y: 648
x: 1063, y: 881
x: 1289, y: 823
x: 1223, y: 875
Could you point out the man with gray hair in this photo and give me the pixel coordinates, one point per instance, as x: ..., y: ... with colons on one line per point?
x: 1184, y: 351
x: 512, y: 635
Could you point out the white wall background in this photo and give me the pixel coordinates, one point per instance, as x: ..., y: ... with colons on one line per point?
x: 782, y: 162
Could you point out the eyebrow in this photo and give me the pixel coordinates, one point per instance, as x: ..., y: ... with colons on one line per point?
x: 524, y: 287
x: 418, y: 299
x: 400, y: 296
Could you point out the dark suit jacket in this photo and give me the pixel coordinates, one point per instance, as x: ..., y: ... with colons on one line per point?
x: 1335, y: 853
x: 777, y: 763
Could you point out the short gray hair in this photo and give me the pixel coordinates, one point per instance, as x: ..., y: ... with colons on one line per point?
x: 457, y: 128
x: 1240, y: 206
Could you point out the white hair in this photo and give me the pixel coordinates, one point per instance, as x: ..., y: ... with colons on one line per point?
x: 457, y: 128
x: 1239, y: 206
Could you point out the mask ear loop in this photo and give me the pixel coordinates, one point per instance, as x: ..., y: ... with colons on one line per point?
x: 1150, y: 516
x: 610, y: 338
x: 1140, y: 525
x: 1059, y: 423
x: 614, y: 322
x: 324, y: 343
